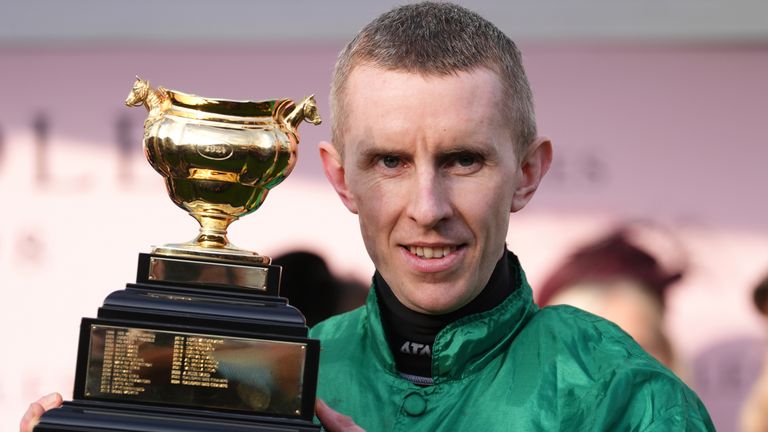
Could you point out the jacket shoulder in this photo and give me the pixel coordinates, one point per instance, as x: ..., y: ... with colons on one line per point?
x: 564, y: 324
x: 604, y: 363
x: 594, y: 347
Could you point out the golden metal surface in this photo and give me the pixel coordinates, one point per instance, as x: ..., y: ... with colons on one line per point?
x: 195, y: 370
x: 185, y: 271
x: 219, y: 158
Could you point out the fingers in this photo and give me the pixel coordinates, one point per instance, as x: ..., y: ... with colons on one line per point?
x: 334, y: 421
x: 49, y: 401
x: 36, y: 410
x: 31, y: 417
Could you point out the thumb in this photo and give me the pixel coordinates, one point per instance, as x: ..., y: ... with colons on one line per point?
x: 37, y: 409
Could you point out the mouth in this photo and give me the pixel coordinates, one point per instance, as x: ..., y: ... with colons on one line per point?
x: 431, y: 252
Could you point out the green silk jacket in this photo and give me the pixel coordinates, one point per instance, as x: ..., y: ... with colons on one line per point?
x: 513, y: 368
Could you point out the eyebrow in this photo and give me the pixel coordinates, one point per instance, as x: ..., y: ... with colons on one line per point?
x: 480, y: 149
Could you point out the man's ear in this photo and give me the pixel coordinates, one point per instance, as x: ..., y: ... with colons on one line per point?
x: 533, y: 166
x: 333, y: 166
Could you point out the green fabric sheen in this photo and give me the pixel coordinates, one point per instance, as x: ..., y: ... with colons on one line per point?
x: 513, y: 368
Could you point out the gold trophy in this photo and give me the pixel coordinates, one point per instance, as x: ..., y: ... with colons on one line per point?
x: 219, y: 158
x: 202, y: 340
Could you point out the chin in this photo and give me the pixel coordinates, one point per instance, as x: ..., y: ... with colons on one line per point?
x: 434, y: 298
x: 438, y: 306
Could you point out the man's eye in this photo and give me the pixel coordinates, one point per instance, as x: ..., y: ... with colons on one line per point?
x: 466, y: 160
x: 390, y: 161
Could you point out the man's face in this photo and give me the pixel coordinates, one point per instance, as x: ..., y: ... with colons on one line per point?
x: 430, y: 168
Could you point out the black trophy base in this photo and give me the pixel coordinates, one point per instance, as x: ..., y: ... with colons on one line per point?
x: 193, y: 345
x: 89, y: 417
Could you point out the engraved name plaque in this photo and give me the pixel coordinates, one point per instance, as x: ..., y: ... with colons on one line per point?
x: 195, y: 370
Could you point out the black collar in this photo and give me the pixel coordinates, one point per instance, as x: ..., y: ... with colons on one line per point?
x: 410, y: 334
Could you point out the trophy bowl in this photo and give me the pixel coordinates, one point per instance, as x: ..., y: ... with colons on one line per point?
x: 219, y: 158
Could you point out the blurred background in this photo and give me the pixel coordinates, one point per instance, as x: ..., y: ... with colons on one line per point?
x: 657, y: 111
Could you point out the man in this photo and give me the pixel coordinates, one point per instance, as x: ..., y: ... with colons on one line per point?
x: 434, y: 145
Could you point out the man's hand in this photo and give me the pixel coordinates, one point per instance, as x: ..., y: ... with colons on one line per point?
x: 36, y: 410
x: 334, y: 421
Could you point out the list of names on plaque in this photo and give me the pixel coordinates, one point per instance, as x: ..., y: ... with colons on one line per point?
x: 109, y: 358
x: 122, y: 364
x: 194, y: 362
x: 194, y: 370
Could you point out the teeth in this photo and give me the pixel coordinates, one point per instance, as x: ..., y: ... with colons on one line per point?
x: 431, y: 253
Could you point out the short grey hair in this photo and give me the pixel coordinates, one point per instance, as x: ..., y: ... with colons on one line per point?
x: 438, y: 39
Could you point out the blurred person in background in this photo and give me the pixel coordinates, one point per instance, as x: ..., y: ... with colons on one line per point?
x: 309, y: 285
x: 618, y: 278
x: 754, y: 414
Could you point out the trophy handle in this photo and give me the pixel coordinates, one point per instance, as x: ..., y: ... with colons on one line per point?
x: 156, y: 101
x: 306, y: 110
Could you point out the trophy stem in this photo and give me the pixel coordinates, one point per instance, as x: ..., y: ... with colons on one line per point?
x: 212, y: 241
x: 213, y: 229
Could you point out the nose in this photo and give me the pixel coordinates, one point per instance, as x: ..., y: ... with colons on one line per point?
x: 429, y: 201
